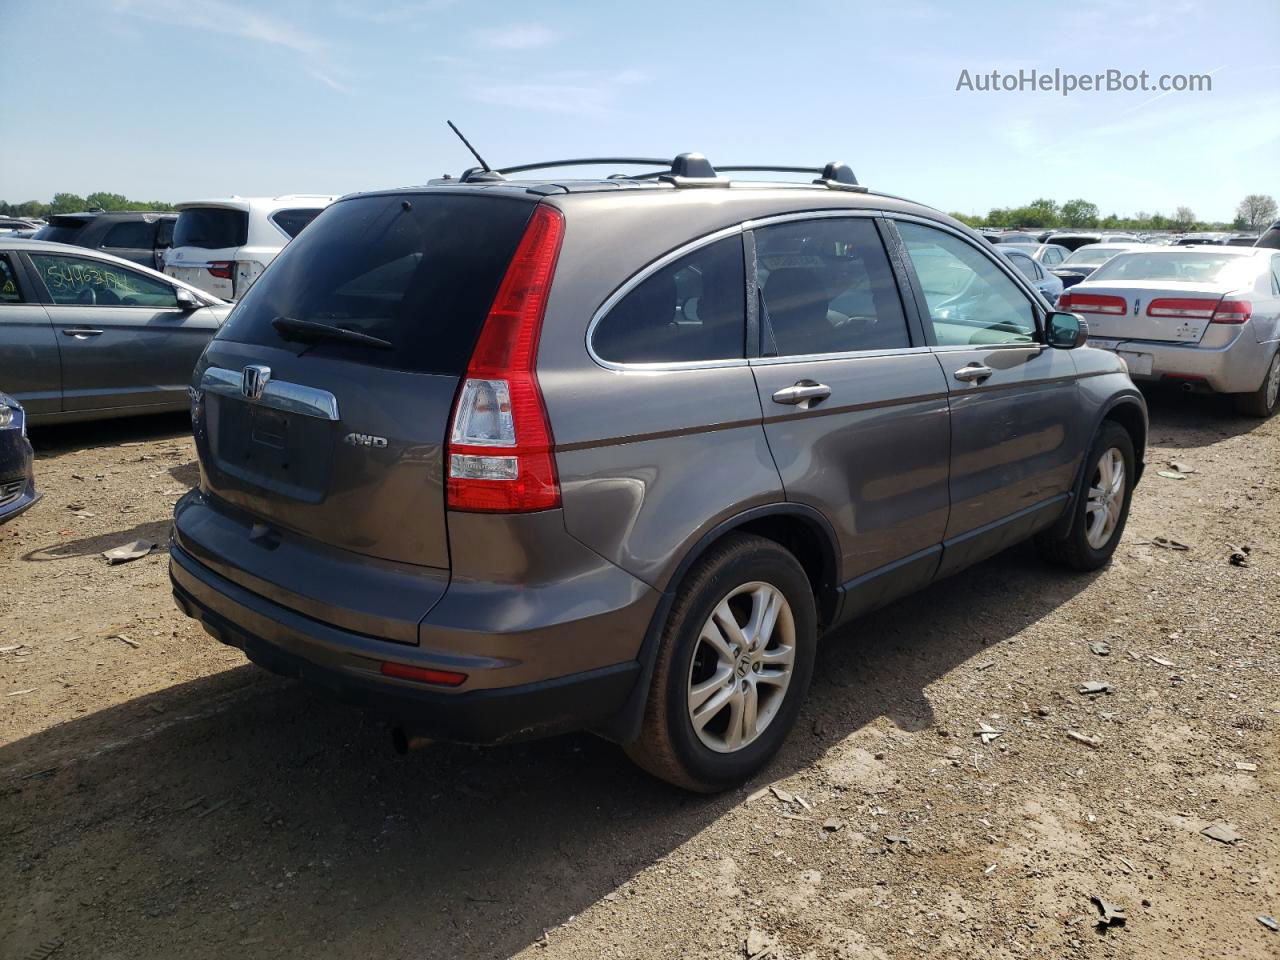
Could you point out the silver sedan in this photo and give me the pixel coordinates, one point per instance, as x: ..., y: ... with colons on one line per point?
x: 85, y: 335
x: 1205, y: 317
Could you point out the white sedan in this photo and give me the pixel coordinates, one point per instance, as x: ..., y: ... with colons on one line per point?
x: 1205, y: 317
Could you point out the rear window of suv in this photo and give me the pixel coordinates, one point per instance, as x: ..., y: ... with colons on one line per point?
x: 211, y: 228
x: 418, y: 271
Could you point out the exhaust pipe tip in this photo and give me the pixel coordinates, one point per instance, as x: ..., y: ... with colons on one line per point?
x: 1188, y: 386
x: 403, y: 742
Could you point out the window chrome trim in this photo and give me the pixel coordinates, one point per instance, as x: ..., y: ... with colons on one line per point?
x: 667, y: 258
x: 907, y: 351
x: 277, y: 394
x: 638, y: 278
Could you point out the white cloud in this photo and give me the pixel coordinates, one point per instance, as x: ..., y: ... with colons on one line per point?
x: 218, y: 16
x: 583, y: 93
x: 517, y: 37
x: 390, y: 13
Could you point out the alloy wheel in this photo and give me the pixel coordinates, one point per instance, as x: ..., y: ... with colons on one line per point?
x: 1106, y: 498
x: 741, y: 667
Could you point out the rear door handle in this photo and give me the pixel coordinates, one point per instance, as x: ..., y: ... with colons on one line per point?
x: 81, y: 332
x: 804, y: 393
x: 974, y: 371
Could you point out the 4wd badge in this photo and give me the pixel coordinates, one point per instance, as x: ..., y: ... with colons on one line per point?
x: 364, y: 440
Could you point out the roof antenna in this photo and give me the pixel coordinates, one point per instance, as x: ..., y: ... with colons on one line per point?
x: 467, y: 143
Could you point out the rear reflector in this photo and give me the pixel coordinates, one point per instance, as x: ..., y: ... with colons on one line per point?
x: 442, y: 678
x: 1232, y: 311
x: 222, y: 269
x: 1093, y: 303
x: 500, y: 458
x: 1188, y: 308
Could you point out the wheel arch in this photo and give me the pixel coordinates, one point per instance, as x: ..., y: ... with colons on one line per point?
x: 801, y: 529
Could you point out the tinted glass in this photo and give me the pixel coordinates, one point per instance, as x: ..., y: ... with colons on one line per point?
x: 422, y: 278
x: 828, y: 288
x: 292, y: 221
x: 56, y: 234
x: 164, y: 233
x: 131, y: 233
x: 970, y: 299
x: 73, y: 280
x: 9, y: 292
x: 1193, y: 267
x: 1024, y: 265
x: 211, y: 228
x: 692, y: 309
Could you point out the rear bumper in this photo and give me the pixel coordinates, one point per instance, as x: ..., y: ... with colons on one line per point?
x: 347, y: 664
x: 1237, y: 367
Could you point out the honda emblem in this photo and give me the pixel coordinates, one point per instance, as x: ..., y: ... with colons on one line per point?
x: 254, y: 380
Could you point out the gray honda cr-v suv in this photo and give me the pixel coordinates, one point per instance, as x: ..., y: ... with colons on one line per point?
x: 506, y: 458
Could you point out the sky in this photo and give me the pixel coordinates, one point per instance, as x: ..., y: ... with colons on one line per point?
x: 180, y: 99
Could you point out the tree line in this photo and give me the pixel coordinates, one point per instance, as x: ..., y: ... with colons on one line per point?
x: 74, y: 203
x: 1255, y: 212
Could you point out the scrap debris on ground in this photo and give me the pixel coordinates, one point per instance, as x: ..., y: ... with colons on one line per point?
x: 160, y: 798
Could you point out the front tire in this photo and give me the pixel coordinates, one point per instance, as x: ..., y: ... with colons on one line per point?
x: 1263, y: 401
x: 733, y: 667
x: 1101, y: 510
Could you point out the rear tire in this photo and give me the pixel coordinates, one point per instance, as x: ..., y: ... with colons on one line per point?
x: 722, y: 700
x: 1263, y: 401
x: 1101, y: 509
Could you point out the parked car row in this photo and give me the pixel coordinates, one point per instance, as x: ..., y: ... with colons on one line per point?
x: 85, y: 335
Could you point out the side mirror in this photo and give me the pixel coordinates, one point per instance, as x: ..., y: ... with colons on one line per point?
x: 187, y: 300
x: 1066, y: 331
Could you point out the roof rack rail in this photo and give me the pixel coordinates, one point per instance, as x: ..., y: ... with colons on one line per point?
x: 686, y: 170
x: 837, y: 176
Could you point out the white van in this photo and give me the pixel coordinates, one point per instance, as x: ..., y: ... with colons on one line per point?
x: 221, y: 246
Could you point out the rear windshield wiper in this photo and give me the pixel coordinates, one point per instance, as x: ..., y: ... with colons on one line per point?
x: 291, y: 328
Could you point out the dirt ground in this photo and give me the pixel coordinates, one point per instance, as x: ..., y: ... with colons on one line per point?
x: 161, y: 798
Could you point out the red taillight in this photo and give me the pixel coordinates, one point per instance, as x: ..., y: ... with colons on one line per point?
x: 499, y: 452
x: 1232, y: 311
x: 1093, y: 303
x: 222, y: 269
x: 402, y: 671
x: 1182, y: 308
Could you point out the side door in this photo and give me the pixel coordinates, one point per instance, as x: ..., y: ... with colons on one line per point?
x: 855, y: 405
x: 133, y: 240
x: 124, y: 338
x: 1017, y: 435
x: 30, y: 366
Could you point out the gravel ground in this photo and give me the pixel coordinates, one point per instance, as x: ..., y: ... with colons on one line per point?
x: 161, y: 798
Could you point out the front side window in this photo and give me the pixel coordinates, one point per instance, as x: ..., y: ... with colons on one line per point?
x: 131, y: 234
x: 693, y: 309
x: 1052, y: 256
x: 828, y: 288
x: 9, y: 292
x: 970, y: 299
x: 74, y: 281
x: 292, y: 221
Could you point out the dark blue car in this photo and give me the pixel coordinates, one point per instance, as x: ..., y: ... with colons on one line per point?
x: 17, y: 481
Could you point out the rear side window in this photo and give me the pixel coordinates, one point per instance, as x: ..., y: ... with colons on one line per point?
x: 1025, y: 266
x: 135, y: 234
x: 292, y: 221
x: 691, y: 310
x: 164, y: 233
x: 418, y: 271
x: 211, y: 228
x: 9, y: 292
x: 828, y: 288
